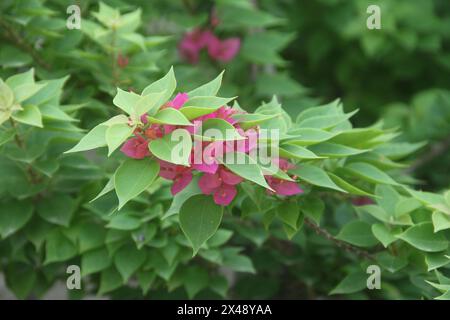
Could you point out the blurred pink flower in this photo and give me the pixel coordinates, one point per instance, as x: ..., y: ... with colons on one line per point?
x: 223, y: 50
x: 192, y: 43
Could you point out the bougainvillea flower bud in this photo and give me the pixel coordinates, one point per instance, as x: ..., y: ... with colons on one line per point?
x: 223, y: 50
x: 136, y: 148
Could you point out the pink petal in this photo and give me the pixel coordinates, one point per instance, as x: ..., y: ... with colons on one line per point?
x: 209, y: 182
x: 167, y: 170
x: 230, y: 178
x: 144, y: 119
x: 283, y: 187
x: 136, y: 148
x: 181, y: 182
x: 224, y: 194
x: 362, y: 201
x: 179, y: 100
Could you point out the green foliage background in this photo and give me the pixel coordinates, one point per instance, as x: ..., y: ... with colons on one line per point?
x: 307, y: 53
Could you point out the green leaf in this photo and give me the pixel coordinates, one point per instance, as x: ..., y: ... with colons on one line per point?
x: 128, y: 260
x: 315, y: 176
x: 110, y: 280
x: 147, y: 103
x: 370, y: 173
x: 422, y: 237
x: 6, y: 136
x: 218, y: 130
x: 199, y: 106
x: 126, y: 100
x: 436, y: 260
x: 195, y: 280
x: 95, y: 261
x: 199, y: 219
x: 124, y: 221
x: 174, y: 147
x: 309, y: 136
x: 383, y: 234
x: 133, y: 177
x: 352, y: 283
x: 247, y: 169
x: 325, y: 121
x: 236, y: 261
x: 116, y: 135
x: 333, y: 150
x: 347, y: 186
x: 313, y: 207
x: 106, y: 189
x: 289, y: 213
x: 145, y: 279
x: 58, y: 248
x: 168, y: 83
x: 357, y: 233
x: 391, y: 263
x: 208, y: 89
x: 249, y: 120
x: 441, y: 221
x: 191, y: 190
x: 30, y: 115
x: 297, y: 152
x: 20, y: 279
x: 170, y: 116
x: 14, y: 214
x: 57, y: 209
x: 95, y: 138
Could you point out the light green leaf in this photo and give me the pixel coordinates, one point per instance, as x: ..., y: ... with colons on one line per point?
x: 147, y: 103
x: 95, y: 261
x: 208, y: 89
x: 441, y: 221
x: 93, y: 139
x: 333, y: 150
x: 168, y: 83
x: 199, y: 219
x: 57, y: 209
x: 58, y: 248
x: 116, y: 135
x: 126, y: 100
x: 133, y: 177
x: 174, y: 147
x: 297, y: 152
x: 347, y: 186
x: 247, y: 169
x: 370, y: 173
x: 383, y: 234
x: 422, y: 237
x: 30, y: 115
x: 199, y: 106
x: 352, y: 283
x: 357, y: 233
x: 315, y: 176
x: 170, y: 116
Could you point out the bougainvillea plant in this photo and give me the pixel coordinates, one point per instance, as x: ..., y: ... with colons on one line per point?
x: 319, y: 150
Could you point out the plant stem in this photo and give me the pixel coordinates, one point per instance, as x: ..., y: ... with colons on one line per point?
x: 337, y: 242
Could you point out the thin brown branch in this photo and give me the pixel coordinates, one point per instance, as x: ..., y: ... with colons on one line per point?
x: 341, y: 244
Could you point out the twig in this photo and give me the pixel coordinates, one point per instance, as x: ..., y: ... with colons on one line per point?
x: 15, y: 37
x: 435, y: 150
x: 337, y: 242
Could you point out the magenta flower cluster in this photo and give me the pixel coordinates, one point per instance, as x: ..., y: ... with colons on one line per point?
x: 216, y: 179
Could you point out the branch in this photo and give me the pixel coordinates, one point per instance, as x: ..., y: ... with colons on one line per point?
x: 341, y: 244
